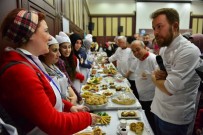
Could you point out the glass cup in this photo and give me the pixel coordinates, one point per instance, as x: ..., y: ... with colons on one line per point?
x: 123, y: 124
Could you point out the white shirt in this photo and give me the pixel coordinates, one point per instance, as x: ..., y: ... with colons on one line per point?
x: 132, y: 66
x: 180, y: 59
x: 121, y: 57
x: 145, y: 86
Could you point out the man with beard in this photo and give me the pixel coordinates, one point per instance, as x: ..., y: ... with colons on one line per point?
x: 176, y: 89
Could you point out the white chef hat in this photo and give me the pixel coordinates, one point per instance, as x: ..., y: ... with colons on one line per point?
x: 89, y: 37
x: 52, y: 41
x: 62, y: 38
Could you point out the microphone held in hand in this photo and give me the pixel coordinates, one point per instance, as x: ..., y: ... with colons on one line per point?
x: 159, y: 61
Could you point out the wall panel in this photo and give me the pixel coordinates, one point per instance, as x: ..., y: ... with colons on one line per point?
x: 94, y: 32
x: 128, y: 26
x: 100, y: 26
x: 200, y: 25
x: 123, y: 23
x: 108, y: 26
x: 194, y: 25
x: 115, y: 26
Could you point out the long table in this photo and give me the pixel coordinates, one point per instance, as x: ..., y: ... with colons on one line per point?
x: 113, y: 109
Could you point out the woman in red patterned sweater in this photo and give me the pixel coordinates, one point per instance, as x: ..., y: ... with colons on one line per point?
x: 27, y: 93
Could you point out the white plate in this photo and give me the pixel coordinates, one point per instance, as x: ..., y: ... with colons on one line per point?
x: 129, y: 117
x: 108, y: 90
x: 87, y: 131
x: 96, y: 106
x: 146, y: 131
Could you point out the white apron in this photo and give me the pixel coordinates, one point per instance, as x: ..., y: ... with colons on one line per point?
x: 58, y: 106
x: 76, y: 83
x: 63, y: 82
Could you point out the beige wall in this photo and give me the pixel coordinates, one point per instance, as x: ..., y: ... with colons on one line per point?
x: 108, y: 26
x: 76, y: 12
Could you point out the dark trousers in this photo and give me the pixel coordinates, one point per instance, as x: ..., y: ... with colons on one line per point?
x: 165, y: 128
x: 146, y: 105
x: 133, y: 87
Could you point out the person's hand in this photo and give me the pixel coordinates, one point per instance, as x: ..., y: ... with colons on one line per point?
x: 81, y: 61
x: 198, y: 131
x: 73, y: 100
x: 79, y: 108
x: 106, y: 60
x: 160, y: 74
x: 94, y: 118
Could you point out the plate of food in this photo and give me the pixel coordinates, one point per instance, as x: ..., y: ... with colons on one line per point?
x: 108, y: 93
x: 96, y: 100
x: 105, y: 118
x: 91, y: 88
x: 91, y: 131
x: 135, y: 128
x: 123, y: 99
x: 128, y: 114
x: 86, y: 87
x: 94, y: 80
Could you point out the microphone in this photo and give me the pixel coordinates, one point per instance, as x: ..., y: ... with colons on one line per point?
x: 159, y: 61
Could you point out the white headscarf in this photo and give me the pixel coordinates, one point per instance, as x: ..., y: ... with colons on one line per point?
x: 89, y: 37
x: 52, y: 41
x: 62, y: 38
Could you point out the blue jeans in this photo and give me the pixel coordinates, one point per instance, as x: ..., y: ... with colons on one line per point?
x: 165, y: 128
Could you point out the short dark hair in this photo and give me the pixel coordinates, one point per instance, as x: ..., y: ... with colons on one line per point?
x: 171, y: 14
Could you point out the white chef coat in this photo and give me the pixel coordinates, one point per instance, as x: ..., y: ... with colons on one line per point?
x: 145, y: 86
x: 121, y: 57
x: 180, y: 59
x: 132, y: 66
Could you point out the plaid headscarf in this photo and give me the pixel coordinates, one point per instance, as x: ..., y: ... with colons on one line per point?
x: 23, y: 27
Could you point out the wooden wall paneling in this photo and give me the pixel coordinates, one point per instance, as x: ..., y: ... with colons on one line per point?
x: 129, y: 26
x: 200, y: 24
x: 80, y: 14
x: 100, y: 40
x: 74, y: 28
x: 50, y: 19
x: 108, y: 26
x: 109, y: 38
x: 51, y: 2
x: 74, y: 12
x: 123, y: 23
x: 194, y: 25
x: 71, y: 10
x: 115, y: 26
x: 60, y: 11
x: 86, y: 20
x: 24, y: 4
x: 44, y: 6
x: 6, y: 6
x: 66, y: 7
x: 95, y: 31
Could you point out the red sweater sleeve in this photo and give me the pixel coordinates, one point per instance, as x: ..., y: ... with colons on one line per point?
x: 199, y: 120
x: 79, y: 76
x: 67, y: 106
x: 28, y: 98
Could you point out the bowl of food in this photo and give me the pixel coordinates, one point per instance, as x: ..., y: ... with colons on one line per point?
x: 96, y: 101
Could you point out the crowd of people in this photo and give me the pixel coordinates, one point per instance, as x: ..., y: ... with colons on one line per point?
x: 45, y: 74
